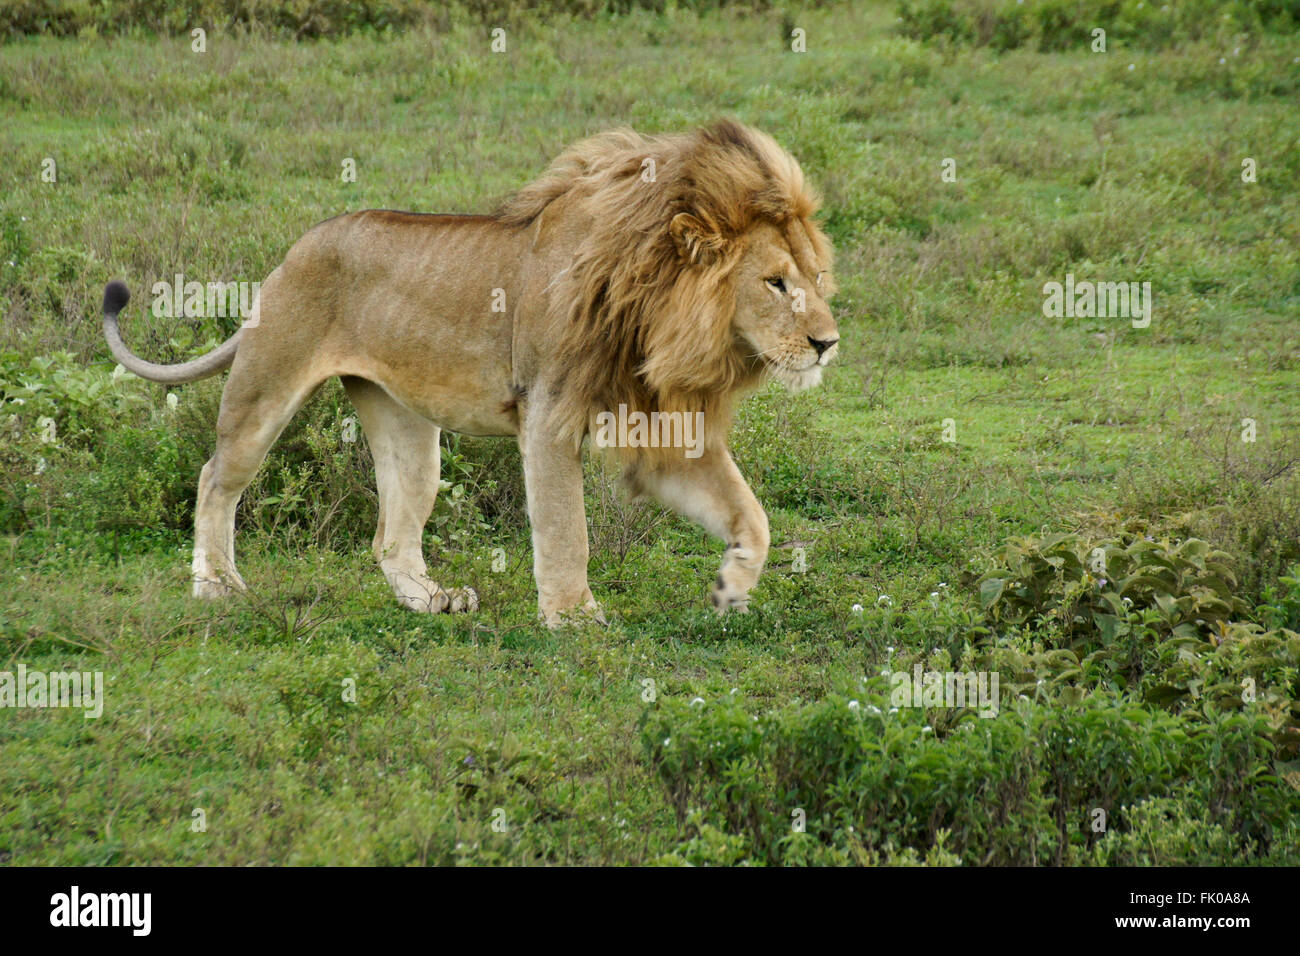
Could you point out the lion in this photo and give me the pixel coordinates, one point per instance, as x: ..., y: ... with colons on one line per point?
x: 666, y: 274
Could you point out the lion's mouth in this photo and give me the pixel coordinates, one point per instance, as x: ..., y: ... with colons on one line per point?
x: 797, y: 379
x: 778, y: 363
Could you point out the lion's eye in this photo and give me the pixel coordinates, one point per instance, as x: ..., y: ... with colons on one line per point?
x: 777, y: 283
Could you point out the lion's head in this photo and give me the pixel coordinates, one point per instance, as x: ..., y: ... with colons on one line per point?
x: 702, y: 271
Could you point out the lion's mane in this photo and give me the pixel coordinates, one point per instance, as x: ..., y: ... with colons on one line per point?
x: 648, y: 295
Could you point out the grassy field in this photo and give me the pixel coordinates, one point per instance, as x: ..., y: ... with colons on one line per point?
x: 917, y: 498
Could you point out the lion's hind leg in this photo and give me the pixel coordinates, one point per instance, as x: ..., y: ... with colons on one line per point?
x: 407, y: 465
x: 254, y: 411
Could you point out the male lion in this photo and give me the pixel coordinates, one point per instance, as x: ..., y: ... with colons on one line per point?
x: 665, y: 274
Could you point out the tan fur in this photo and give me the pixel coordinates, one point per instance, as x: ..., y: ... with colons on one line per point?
x: 616, y: 290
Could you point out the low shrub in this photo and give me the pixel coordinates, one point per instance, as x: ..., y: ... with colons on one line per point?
x: 858, y: 779
x: 1156, y: 616
x: 1051, y: 25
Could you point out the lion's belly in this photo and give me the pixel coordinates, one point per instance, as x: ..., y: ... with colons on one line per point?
x: 471, y: 412
x: 473, y: 397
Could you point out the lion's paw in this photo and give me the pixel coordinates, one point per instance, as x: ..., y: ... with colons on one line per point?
x: 419, y: 593
x: 434, y: 602
x: 728, y: 598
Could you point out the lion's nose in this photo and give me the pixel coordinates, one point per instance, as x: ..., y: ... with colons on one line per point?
x: 821, y: 345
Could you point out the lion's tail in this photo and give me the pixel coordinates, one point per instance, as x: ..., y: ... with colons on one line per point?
x: 116, y: 295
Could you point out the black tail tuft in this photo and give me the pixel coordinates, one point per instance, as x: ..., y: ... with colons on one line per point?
x: 116, y: 295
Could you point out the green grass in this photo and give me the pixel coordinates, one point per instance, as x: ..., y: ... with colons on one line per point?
x: 213, y: 164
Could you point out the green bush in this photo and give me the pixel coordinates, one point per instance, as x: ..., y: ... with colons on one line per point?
x: 298, y: 19
x: 1166, y: 831
x: 1087, y: 589
x: 1053, y: 25
x: 936, y: 19
x: 1133, y: 613
x: 1021, y: 788
x: 1282, y: 601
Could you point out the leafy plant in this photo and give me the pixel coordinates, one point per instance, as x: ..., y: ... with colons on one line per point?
x: 1154, y: 615
x: 857, y: 779
x: 1087, y: 589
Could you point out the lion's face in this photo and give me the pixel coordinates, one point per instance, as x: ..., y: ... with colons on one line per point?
x: 781, y: 310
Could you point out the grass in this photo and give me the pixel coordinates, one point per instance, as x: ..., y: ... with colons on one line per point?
x: 213, y: 164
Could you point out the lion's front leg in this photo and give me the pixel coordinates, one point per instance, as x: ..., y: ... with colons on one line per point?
x: 711, y: 492
x: 553, y: 479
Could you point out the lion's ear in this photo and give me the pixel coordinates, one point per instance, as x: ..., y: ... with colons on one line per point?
x: 698, y: 241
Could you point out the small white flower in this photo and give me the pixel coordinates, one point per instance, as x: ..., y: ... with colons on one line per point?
x: 927, y: 730
x: 885, y: 600
x: 856, y: 609
x: 173, y: 400
x: 854, y: 705
x: 697, y: 700
x: 667, y: 741
x: 1131, y: 67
